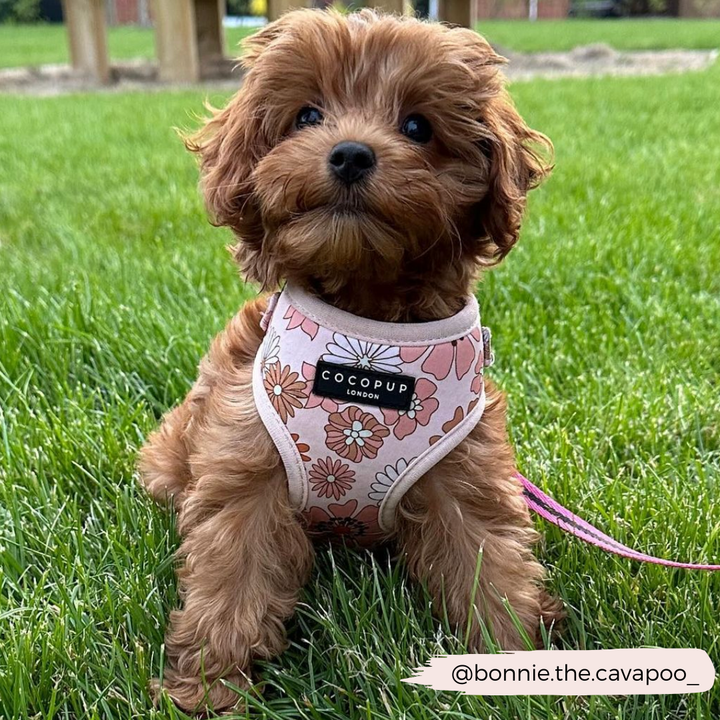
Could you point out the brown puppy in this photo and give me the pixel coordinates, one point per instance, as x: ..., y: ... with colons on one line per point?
x: 453, y: 162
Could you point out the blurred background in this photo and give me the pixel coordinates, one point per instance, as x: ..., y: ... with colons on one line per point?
x: 191, y: 40
x: 139, y: 12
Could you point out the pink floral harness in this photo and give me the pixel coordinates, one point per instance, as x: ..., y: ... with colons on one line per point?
x: 360, y: 409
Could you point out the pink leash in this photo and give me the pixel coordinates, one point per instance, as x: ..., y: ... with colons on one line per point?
x: 555, y: 513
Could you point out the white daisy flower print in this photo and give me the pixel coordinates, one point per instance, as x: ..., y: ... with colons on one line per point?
x: 362, y: 354
x: 386, y: 479
x: 271, y: 350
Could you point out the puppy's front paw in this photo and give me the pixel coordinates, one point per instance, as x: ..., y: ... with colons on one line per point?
x: 198, y: 695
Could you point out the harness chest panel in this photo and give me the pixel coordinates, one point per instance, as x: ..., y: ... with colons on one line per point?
x: 360, y: 409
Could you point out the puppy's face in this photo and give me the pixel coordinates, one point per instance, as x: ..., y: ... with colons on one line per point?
x: 367, y: 148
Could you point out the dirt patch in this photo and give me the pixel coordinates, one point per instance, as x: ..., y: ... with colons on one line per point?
x: 124, y: 76
x: 603, y: 60
x: 589, y: 60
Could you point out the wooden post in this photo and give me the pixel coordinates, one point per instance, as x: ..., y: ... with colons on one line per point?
x: 210, y: 37
x: 189, y: 38
x: 87, y: 37
x: 398, y: 7
x: 457, y: 12
x: 276, y: 8
x: 176, y: 41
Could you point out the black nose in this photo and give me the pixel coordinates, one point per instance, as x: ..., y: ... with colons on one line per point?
x: 351, y: 161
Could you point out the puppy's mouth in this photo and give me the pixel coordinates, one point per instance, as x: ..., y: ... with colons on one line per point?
x: 346, y: 209
x: 349, y: 211
x: 355, y: 212
x: 340, y: 213
x: 343, y: 204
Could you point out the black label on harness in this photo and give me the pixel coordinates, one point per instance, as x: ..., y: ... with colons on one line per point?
x: 352, y: 384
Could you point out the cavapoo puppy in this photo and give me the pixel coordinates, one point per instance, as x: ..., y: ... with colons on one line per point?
x: 371, y: 166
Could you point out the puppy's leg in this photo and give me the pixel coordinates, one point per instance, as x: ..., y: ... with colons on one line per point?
x: 467, y: 503
x: 244, y: 566
x: 163, y: 463
x: 245, y: 554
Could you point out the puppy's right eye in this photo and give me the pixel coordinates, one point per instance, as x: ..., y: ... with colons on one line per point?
x: 307, y: 117
x: 417, y: 128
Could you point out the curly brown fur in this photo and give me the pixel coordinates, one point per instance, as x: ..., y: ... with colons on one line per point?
x: 245, y: 554
x: 470, y: 502
x: 436, y: 211
x: 406, y: 245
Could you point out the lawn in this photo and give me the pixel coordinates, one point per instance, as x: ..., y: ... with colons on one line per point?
x: 39, y: 44
x: 605, y: 320
x: 640, y: 34
x: 43, y: 44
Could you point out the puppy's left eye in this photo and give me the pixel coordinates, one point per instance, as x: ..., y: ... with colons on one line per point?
x: 417, y: 128
x: 307, y: 117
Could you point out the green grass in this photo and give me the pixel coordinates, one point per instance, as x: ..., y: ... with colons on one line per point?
x: 44, y: 44
x: 40, y: 44
x: 639, y: 34
x: 605, y: 319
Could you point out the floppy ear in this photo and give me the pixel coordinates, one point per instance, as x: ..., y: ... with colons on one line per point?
x: 520, y: 158
x: 229, y: 146
x: 226, y: 148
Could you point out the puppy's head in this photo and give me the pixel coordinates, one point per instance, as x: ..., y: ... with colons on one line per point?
x: 367, y: 147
